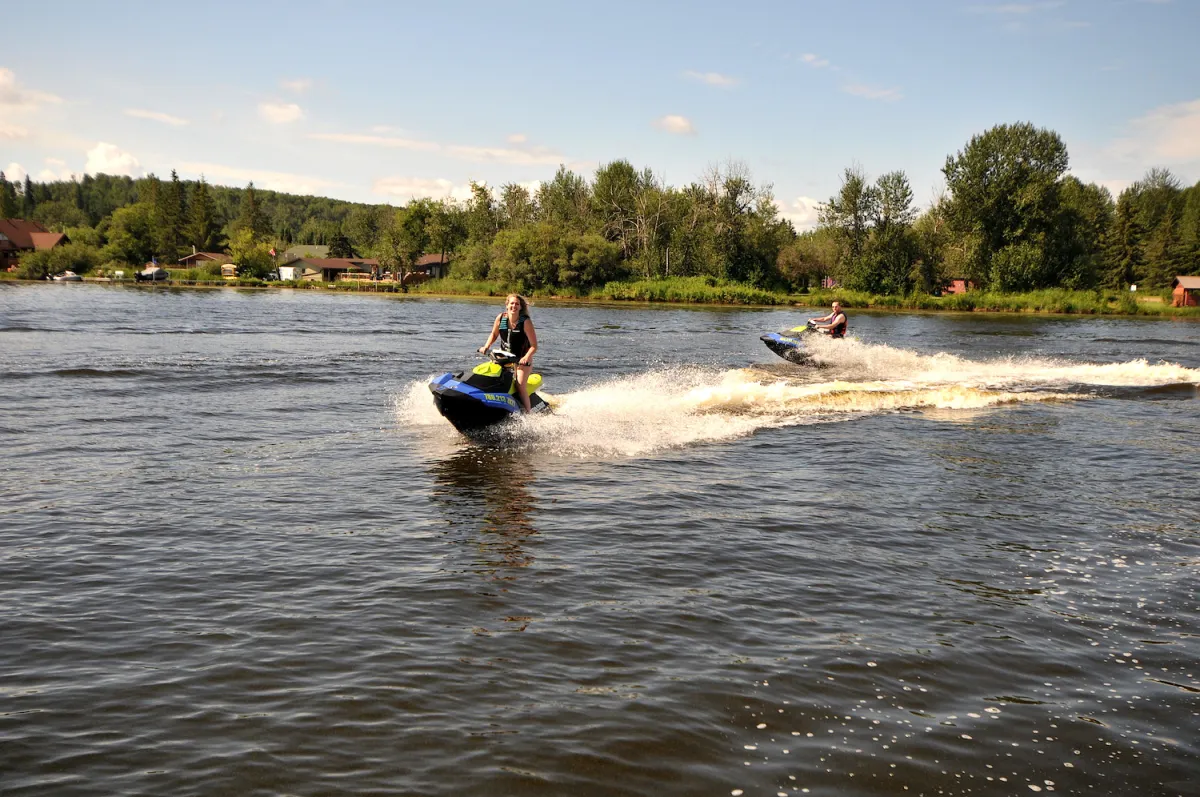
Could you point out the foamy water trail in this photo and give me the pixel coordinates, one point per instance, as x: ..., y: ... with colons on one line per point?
x: 882, y: 362
x: 676, y: 407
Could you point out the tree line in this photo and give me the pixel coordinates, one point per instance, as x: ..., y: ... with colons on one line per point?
x: 1010, y: 219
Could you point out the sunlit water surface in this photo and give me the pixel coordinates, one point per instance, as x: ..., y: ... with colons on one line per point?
x: 241, y: 553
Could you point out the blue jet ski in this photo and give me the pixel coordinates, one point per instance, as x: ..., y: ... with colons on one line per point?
x: 486, y: 396
x: 789, y: 344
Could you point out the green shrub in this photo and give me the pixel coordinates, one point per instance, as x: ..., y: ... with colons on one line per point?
x: 701, y: 290
x: 461, y: 286
x: 80, y: 258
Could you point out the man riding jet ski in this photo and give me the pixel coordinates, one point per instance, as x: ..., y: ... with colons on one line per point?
x: 834, y: 325
x: 486, y: 396
x: 790, y: 344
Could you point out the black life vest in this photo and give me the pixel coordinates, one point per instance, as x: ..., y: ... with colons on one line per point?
x: 839, y: 330
x: 515, y: 339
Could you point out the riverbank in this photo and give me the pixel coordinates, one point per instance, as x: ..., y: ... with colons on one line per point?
x: 710, y: 291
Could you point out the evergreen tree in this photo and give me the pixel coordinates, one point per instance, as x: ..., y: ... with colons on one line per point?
x: 1189, y: 232
x: 148, y: 189
x: 202, y: 224
x: 171, y: 212
x: 28, y: 200
x: 1162, y: 252
x: 1124, y: 255
x: 251, y: 216
x: 150, y: 194
x: 87, y: 193
x: 9, y: 206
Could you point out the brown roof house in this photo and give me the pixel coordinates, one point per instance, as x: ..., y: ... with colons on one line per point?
x: 200, y: 258
x: 1185, y: 292
x: 432, y: 266
x: 18, y: 236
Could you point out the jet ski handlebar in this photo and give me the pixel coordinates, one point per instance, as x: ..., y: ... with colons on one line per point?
x: 502, y: 357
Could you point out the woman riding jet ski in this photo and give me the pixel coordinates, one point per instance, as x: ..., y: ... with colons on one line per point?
x: 495, y: 391
x: 485, y: 396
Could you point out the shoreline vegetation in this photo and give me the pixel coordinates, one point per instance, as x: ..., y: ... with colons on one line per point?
x: 710, y: 291
x: 1013, y: 231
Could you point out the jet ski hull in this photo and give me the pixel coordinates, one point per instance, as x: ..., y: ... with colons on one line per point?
x: 788, y: 346
x: 474, y: 407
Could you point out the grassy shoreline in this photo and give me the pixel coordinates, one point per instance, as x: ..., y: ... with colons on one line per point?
x: 708, y: 291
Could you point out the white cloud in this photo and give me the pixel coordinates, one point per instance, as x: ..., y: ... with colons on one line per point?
x: 872, y: 93
x: 156, y: 116
x: 1115, y: 187
x: 520, y: 156
x: 529, y: 156
x: 14, y: 173
x: 1166, y: 137
x: 801, y: 212
x: 16, y: 98
x: 517, y: 138
x: 814, y: 60
x: 299, y: 85
x: 673, y: 123
x: 110, y: 159
x: 273, y: 181
x: 12, y: 132
x: 1016, y: 9
x: 278, y: 113
x: 1170, y: 133
x: 712, y: 78
x: 57, y: 171
x: 376, y: 141
x: 532, y: 186
x: 407, y: 188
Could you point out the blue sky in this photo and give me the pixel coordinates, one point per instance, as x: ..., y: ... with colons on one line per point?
x: 383, y: 101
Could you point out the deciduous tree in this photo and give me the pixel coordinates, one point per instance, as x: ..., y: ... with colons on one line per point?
x: 364, y: 225
x: 482, y: 219
x: 849, y: 215
x: 130, y: 233
x: 1004, y: 193
x: 565, y: 200
x: 251, y: 255
x: 57, y: 215
x: 517, y: 206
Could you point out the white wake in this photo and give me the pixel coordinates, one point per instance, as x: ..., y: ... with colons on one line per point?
x: 674, y: 407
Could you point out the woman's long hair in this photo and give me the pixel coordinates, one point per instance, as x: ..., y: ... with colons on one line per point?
x: 524, y: 311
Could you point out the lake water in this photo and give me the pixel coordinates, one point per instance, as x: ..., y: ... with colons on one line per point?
x: 241, y: 553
